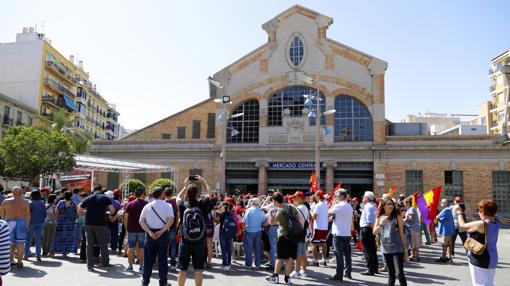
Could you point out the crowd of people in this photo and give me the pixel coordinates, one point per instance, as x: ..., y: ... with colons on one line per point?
x: 169, y: 230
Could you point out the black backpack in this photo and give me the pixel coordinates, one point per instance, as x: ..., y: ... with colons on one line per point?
x: 229, y: 227
x: 193, y: 225
x: 296, y: 231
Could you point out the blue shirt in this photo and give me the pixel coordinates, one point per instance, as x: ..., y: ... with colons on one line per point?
x: 445, y: 222
x: 368, y: 215
x: 254, y: 218
x: 37, y: 212
x: 76, y: 199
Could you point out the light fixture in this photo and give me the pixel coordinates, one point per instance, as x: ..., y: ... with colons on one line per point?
x: 236, y: 115
x: 215, y: 83
x: 329, y: 112
x: 226, y: 99
x: 218, y: 100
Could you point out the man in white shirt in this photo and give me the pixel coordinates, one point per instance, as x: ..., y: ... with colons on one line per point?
x: 320, y: 228
x: 341, y: 214
x: 156, y: 218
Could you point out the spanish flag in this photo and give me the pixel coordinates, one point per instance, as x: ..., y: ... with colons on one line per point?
x: 428, y: 204
x: 314, y: 184
x: 391, y: 191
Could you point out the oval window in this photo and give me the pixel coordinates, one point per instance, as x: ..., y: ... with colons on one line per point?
x: 296, y: 51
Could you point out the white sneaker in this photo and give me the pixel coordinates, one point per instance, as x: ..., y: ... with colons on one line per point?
x: 223, y: 267
x: 294, y: 274
x: 302, y: 273
x: 228, y: 267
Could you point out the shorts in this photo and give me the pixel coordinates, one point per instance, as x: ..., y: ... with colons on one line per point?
x: 446, y: 240
x: 134, y: 237
x: 285, y: 249
x: 197, y: 253
x: 18, y: 229
x: 301, y: 249
x: 319, y: 235
x: 415, y: 239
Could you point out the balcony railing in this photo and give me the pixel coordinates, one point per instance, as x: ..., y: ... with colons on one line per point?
x: 48, y: 116
x: 7, y: 120
x: 59, y: 87
x: 65, y: 74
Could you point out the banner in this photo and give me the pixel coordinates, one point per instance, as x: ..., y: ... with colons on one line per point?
x: 77, y: 179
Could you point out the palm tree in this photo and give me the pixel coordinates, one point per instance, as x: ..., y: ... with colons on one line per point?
x: 64, y: 122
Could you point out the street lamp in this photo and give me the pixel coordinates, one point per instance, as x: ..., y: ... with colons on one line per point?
x: 317, y: 114
x: 224, y: 117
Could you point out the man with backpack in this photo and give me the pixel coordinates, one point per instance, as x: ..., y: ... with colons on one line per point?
x: 172, y: 232
x: 156, y: 219
x: 192, y: 229
x: 301, y: 261
x: 290, y: 232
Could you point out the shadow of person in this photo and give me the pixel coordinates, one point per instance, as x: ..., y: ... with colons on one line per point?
x: 28, y: 272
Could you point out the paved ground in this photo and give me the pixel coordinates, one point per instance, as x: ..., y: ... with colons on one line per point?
x: 68, y: 271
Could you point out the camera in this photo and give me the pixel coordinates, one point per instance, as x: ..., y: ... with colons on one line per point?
x: 193, y: 178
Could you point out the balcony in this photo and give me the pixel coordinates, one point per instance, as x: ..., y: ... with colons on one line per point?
x: 19, y: 123
x: 58, y: 87
x: 50, y: 100
x: 7, y: 120
x: 47, y: 116
x: 61, y: 72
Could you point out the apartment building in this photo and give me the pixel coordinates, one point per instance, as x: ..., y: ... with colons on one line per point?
x: 14, y: 113
x: 36, y: 74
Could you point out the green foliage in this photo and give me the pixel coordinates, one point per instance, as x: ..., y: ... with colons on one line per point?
x: 26, y: 152
x: 132, y: 185
x: 65, y: 122
x: 162, y: 182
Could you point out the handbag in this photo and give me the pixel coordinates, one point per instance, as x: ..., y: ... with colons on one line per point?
x: 474, y: 246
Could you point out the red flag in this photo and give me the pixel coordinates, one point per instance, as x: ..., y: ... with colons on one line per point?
x: 391, y: 190
x: 314, y: 184
x: 338, y: 186
x: 432, y: 199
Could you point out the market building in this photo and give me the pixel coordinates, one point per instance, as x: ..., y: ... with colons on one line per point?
x: 270, y: 127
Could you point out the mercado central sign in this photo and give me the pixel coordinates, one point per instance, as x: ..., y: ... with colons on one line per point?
x: 292, y: 165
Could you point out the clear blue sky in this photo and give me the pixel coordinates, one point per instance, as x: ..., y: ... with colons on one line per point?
x: 152, y: 58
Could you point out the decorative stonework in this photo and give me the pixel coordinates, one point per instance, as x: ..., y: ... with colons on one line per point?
x: 295, y: 126
x: 264, y: 66
x: 246, y: 61
x: 349, y: 54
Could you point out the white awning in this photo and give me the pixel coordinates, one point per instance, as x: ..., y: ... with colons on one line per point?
x: 113, y: 165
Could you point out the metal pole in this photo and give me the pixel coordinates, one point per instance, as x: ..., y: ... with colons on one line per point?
x: 317, y: 137
x: 223, y: 150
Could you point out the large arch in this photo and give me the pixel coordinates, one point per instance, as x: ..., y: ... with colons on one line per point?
x: 353, y: 121
x: 247, y: 125
x: 293, y: 99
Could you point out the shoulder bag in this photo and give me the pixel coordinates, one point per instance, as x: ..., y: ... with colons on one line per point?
x: 474, y: 246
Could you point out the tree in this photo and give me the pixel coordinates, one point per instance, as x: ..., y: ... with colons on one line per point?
x: 132, y: 184
x: 64, y: 122
x: 27, y: 152
x: 162, y: 182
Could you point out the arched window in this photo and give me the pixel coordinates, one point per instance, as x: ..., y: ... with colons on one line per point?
x: 292, y: 98
x: 296, y: 51
x: 353, y: 121
x: 247, y: 125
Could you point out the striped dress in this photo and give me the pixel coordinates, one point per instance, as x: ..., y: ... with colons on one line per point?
x: 5, y: 264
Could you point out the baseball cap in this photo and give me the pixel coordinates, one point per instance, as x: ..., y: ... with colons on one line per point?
x: 299, y: 195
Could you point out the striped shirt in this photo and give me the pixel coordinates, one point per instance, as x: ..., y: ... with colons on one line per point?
x: 5, y: 265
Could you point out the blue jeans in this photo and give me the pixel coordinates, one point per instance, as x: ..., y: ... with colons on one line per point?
x: 343, y: 251
x: 114, y: 234
x: 34, y: 230
x: 153, y: 248
x: 172, y: 246
x: 226, y: 251
x: 252, y: 241
x: 273, y: 235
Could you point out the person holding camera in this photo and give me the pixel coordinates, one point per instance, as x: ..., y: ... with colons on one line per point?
x: 458, y: 231
x: 192, y: 228
x: 482, y: 242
